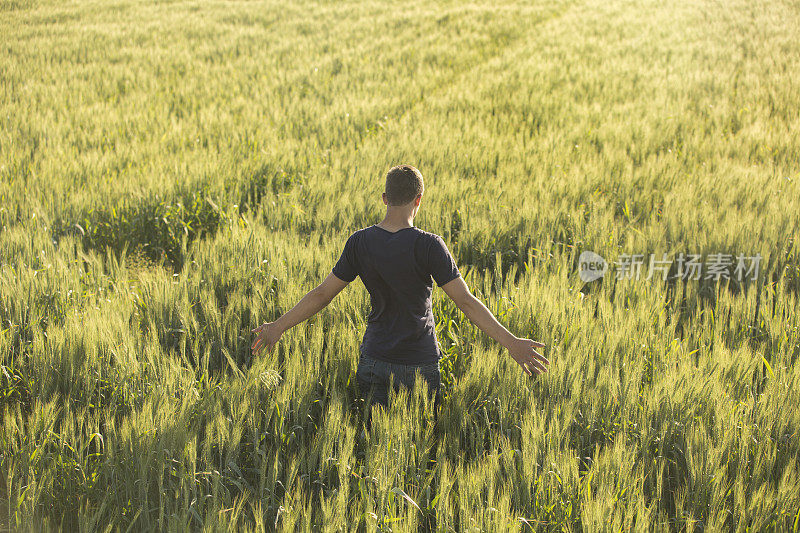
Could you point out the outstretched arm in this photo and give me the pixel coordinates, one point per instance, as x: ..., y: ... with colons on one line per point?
x: 313, y: 302
x: 522, y: 350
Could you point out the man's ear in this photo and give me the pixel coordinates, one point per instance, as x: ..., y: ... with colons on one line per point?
x: 383, y: 196
x: 417, y: 200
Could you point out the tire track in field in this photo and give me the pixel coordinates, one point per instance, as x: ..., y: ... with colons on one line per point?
x: 500, y: 56
x: 541, y: 14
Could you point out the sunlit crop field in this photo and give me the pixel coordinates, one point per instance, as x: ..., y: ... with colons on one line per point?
x: 173, y: 174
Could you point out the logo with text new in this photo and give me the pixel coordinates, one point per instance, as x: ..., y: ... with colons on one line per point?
x: 592, y: 266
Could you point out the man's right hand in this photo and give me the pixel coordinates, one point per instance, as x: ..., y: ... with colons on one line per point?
x: 524, y: 353
x: 269, y: 333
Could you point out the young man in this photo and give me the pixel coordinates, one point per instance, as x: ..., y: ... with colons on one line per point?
x: 398, y: 263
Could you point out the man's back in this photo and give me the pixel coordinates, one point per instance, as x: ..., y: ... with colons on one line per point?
x: 398, y: 269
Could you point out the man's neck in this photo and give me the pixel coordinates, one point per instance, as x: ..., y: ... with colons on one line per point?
x: 395, y: 222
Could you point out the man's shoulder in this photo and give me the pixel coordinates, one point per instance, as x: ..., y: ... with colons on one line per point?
x: 426, y: 234
x: 430, y: 237
x: 358, y: 233
x: 419, y: 233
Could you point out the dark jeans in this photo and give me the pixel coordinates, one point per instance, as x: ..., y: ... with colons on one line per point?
x: 373, y: 377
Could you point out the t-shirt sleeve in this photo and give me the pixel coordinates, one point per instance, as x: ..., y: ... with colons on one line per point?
x: 346, y: 268
x: 442, y: 266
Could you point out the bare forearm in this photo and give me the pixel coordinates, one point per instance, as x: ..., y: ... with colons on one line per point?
x: 480, y: 315
x: 522, y: 350
x: 308, y: 306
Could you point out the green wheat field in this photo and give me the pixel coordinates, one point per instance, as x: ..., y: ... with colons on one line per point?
x: 173, y: 174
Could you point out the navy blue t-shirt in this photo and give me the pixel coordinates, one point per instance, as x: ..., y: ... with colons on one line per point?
x: 398, y: 270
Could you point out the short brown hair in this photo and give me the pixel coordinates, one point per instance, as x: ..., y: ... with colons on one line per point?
x: 403, y: 184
